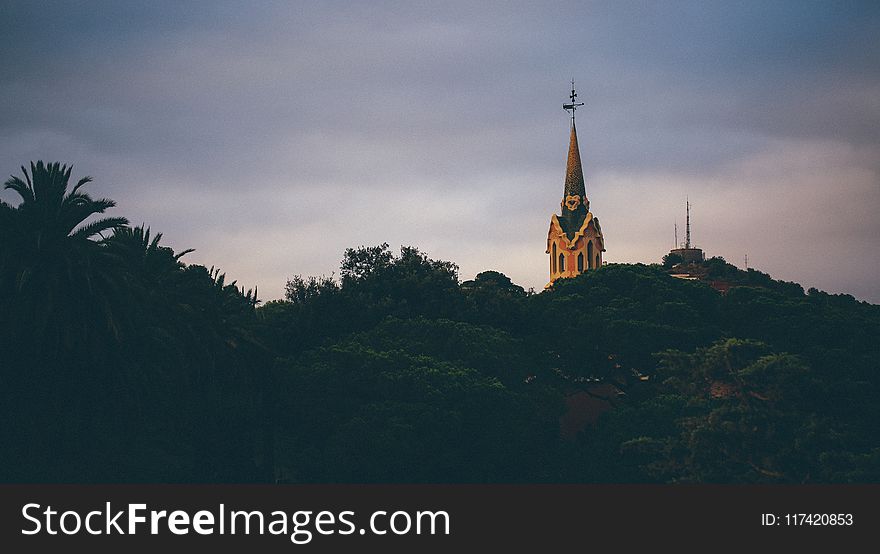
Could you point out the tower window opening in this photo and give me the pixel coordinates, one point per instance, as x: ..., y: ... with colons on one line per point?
x: 561, y: 262
x: 590, y: 254
x: 553, y: 259
x: 598, y: 262
x: 580, y: 262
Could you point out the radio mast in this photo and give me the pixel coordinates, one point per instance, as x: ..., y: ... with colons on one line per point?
x: 687, y: 240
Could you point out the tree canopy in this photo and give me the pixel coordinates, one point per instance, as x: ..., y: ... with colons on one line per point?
x: 121, y: 362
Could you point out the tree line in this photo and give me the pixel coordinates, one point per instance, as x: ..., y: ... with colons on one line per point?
x: 121, y: 362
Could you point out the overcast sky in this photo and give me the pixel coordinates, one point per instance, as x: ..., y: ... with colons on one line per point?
x: 271, y: 136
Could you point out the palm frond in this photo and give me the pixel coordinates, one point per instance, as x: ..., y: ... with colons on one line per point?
x: 154, y: 245
x: 79, y: 210
x: 81, y: 182
x: 25, y: 190
x: 23, y: 170
x: 96, y: 227
x: 102, y: 203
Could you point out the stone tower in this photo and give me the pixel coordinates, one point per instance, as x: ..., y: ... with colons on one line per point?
x: 574, y: 243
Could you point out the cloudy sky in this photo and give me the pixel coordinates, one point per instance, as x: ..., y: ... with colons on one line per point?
x: 271, y: 136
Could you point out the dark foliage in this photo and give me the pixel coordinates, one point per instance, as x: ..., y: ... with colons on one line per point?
x: 119, y: 362
x: 671, y: 260
x: 122, y: 363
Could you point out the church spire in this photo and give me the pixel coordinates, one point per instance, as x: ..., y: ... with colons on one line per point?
x: 574, y: 242
x: 574, y: 174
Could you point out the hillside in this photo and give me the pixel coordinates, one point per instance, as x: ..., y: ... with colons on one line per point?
x: 120, y: 362
x: 763, y: 383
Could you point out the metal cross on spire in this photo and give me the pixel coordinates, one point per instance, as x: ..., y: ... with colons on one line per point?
x: 574, y: 103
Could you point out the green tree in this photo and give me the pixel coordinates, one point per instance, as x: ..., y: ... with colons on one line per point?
x: 735, y: 412
x: 671, y: 260
x: 61, y: 304
x: 54, y: 273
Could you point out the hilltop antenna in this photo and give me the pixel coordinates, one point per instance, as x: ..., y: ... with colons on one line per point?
x: 747, y: 260
x: 688, y: 232
x: 675, y: 244
x: 574, y: 103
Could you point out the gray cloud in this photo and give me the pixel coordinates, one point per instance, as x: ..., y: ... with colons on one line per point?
x: 272, y: 136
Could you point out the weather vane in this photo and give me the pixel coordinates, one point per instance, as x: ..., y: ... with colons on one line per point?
x: 574, y: 103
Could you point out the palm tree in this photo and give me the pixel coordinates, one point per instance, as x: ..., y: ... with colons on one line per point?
x: 59, y: 302
x: 53, y: 271
x: 51, y: 213
x: 143, y: 256
x: 191, y: 342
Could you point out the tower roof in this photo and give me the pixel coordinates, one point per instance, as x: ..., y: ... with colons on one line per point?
x: 574, y: 206
x: 574, y: 174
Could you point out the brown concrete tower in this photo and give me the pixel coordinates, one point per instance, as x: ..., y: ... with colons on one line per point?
x: 574, y: 243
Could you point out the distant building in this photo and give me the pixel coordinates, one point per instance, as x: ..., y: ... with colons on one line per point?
x: 689, y: 254
x: 574, y: 242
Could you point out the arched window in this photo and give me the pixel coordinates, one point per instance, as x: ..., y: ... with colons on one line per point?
x: 580, y: 262
x: 590, y: 254
x: 598, y: 265
x: 561, y: 262
x: 553, y: 260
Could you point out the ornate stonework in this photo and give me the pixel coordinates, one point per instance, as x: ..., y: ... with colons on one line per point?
x: 574, y: 242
